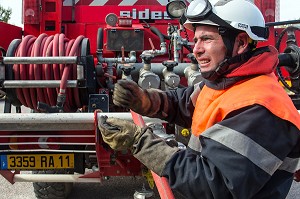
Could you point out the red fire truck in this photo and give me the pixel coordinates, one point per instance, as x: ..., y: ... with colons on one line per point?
x: 63, y: 65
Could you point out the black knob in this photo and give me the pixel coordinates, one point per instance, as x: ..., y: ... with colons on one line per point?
x: 170, y: 64
x: 147, y: 58
x: 127, y: 68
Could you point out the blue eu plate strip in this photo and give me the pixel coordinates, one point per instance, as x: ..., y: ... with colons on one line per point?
x: 3, y: 159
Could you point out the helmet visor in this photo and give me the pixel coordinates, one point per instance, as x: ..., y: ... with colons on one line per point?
x: 198, y: 10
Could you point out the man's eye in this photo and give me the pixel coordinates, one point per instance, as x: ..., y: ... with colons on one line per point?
x: 206, y: 39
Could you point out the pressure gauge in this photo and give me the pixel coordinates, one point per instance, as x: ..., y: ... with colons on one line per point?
x: 111, y: 19
x: 175, y: 9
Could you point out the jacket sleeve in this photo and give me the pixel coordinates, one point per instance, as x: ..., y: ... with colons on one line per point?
x: 247, y: 155
x: 175, y: 106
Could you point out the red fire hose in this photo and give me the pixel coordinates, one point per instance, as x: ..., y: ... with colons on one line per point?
x: 162, y: 184
x: 48, y: 46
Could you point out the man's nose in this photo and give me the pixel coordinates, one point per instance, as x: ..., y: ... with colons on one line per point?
x: 198, y: 48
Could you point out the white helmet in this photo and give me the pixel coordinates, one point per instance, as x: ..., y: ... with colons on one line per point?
x: 238, y: 14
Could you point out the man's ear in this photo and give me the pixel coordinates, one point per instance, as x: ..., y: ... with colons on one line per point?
x: 242, y: 42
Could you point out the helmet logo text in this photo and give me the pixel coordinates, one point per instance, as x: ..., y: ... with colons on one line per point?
x: 242, y: 26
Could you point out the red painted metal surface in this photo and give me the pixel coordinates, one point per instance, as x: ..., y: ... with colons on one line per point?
x: 9, y: 175
x: 85, y: 19
x: 8, y: 33
x: 31, y: 16
x: 51, y: 17
x: 268, y: 8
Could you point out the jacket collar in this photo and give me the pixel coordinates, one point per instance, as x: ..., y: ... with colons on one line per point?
x: 263, y: 61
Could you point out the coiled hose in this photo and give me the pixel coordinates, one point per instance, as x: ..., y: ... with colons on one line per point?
x: 47, y: 46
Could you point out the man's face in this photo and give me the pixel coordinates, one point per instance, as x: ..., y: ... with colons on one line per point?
x: 209, y: 49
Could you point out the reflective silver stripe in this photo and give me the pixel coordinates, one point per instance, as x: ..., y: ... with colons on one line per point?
x: 127, y: 2
x: 98, y: 2
x: 194, y: 143
x: 69, y: 2
x: 244, y: 146
x: 195, y: 93
x: 163, y: 2
x: 290, y: 165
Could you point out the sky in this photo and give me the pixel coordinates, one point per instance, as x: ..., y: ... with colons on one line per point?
x: 289, y: 10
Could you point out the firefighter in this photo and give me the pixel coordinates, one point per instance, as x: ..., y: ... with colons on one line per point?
x: 245, y: 128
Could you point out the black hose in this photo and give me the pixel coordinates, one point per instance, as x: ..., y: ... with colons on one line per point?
x: 3, y: 51
x: 158, y: 33
x: 290, y: 28
x: 286, y: 59
x: 189, y: 48
x: 99, y: 50
x: 100, y: 39
x: 289, y: 61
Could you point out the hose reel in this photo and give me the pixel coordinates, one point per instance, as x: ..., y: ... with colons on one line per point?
x: 49, y: 73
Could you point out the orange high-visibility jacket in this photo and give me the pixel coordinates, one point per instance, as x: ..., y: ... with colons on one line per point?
x: 213, y: 106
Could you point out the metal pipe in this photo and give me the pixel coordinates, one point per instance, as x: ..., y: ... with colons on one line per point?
x: 280, y: 23
x: 156, y: 68
x: 155, y: 52
x: 176, y: 47
x: 56, y: 121
x: 130, y: 59
x: 37, y: 83
x: 40, y: 60
x: 53, y: 178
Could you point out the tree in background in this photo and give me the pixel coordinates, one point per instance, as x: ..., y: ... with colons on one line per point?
x: 5, y: 14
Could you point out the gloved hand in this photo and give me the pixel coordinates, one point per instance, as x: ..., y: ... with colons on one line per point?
x: 129, y: 95
x: 119, y: 134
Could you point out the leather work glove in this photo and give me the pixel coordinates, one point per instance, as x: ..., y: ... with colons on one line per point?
x: 117, y: 133
x: 147, y: 147
x: 153, y: 151
x: 129, y: 95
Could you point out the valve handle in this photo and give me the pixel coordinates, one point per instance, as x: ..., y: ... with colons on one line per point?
x: 170, y: 64
x: 147, y: 58
x: 127, y: 68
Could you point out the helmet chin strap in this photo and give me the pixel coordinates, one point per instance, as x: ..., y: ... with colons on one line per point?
x: 217, y: 73
x: 227, y: 65
x: 228, y: 37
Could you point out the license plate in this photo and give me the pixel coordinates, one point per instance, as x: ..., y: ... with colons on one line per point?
x: 37, y: 161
